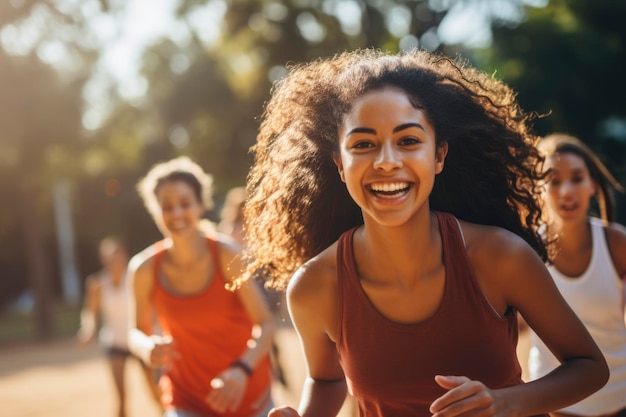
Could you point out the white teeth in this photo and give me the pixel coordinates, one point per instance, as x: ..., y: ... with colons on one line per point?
x: 390, y: 187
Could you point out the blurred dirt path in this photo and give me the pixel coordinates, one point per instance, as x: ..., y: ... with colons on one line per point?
x: 58, y: 379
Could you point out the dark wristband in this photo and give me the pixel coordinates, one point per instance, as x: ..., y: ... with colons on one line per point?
x: 243, y: 366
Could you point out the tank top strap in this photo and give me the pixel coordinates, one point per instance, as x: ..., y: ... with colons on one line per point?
x: 213, y: 246
x: 451, y: 237
x: 346, y: 274
x: 458, y: 266
x: 598, y: 238
x: 159, y: 248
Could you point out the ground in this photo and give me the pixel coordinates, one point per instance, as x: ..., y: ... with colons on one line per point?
x: 58, y: 379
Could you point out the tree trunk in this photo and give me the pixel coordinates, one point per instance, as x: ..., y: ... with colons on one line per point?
x: 37, y: 264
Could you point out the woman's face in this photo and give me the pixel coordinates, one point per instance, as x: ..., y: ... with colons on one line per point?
x: 388, y: 156
x: 180, y: 209
x: 569, y: 188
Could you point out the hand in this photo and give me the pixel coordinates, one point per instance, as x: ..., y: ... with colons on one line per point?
x: 83, y: 339
x: 465, y: 397
x: 283, y: 412
x: 227, y: 390
x: 163, y: 352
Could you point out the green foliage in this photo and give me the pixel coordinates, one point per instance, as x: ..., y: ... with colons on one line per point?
x: 566, y: 61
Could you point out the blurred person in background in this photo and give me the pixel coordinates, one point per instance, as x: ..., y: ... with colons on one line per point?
x: 589, y: 266
x: 106, y: 306
x: 215, y: 342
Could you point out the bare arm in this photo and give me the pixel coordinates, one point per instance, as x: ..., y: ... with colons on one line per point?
x: 152, y: 349
x: 229, y: 386
x: 90, y: 311
x: 311, y: 297
x: 616, y: 237
x: 254, y: 302
x: 513, y: 275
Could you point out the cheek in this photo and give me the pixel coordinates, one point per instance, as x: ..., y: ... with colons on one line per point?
x: 551, y: 194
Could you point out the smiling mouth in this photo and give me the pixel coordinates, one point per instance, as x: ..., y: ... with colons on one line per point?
x: 569, y: 207
x: 389, y: 189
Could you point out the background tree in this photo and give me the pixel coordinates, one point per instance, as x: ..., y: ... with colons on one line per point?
x: 566, y: 61
x: 201, y: 87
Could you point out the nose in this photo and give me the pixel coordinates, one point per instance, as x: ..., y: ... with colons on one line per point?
x: 387, y: 158
x: 566, y: 188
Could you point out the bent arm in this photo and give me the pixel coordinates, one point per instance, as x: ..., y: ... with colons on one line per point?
x: 140, y: 316
x: 251, y: 296
x: 90, y: 310
x: 583, y: 370
x: 616, y: 237
x: 312, y: 306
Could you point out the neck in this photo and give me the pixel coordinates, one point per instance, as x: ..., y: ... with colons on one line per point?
x: 186, y: 250
x: 116, y: 274
x: 573, y: 235
x: 404, y: 252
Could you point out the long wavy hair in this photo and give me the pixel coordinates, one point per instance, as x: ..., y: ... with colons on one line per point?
x: 297, y: 205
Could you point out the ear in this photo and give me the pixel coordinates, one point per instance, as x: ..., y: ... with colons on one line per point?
x: 440, y: 157
x: 339, y: 164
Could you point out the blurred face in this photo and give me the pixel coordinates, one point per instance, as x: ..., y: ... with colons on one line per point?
x: 113, y: 256
x: 180, y: 209
x: 388, y: 156
x: 569, y: 188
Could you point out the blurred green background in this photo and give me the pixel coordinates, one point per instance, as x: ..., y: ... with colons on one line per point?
x: 94, y: 92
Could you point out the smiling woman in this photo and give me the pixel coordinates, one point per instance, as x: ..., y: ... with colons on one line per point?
x: 405, y: 260
x: 210, y: 366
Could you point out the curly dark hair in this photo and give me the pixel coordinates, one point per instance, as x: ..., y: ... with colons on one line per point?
x: 297, y: 205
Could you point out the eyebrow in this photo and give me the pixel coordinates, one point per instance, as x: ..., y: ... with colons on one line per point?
x: 395, y: 129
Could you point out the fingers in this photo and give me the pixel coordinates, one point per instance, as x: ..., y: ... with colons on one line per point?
x: 283, y: 412
x: 449, y: 382
x: 227, y: 390
x: 463, y: 396
x: 164, y: 352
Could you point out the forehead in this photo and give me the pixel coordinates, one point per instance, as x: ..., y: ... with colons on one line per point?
x: 109, y: 248
x: 174, y: 188
x: 566, y: 161
x: 382, y: 97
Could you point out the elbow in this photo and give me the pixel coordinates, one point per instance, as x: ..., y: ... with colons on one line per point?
x: 269, y: 328
x: 599, y: 375
x: 604, y: 372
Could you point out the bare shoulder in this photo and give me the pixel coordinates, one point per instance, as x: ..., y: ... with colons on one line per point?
x: 230, y: 254
x: 504, y: 264
x: 616, y: 233
x: 228, y: 247
x: 495, y: 246
x: 93, y: 283
x: 616, y: 238
x: 315, y: 281
x: 142, y: 263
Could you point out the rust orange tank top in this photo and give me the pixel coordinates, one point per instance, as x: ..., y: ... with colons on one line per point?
x: 211, y: 329
x: 391, y: 367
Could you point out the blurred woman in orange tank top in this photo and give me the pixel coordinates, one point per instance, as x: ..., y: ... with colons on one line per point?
x: 213, y: 350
